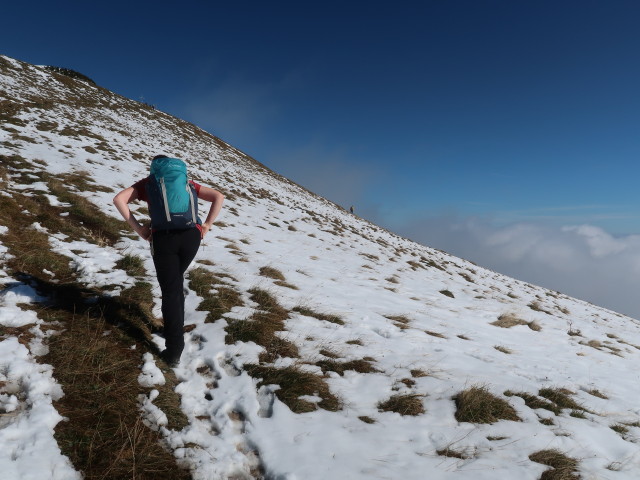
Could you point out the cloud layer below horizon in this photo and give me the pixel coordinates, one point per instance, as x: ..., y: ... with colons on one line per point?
x: 583, y: 261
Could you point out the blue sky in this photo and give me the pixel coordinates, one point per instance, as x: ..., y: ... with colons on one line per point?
x: 417, y: 113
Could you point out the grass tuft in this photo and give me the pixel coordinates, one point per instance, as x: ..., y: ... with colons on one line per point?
x: 537, y: 307
x: 435, y: 334
x: 509, y: 320
x: 223, y: 300
x: 132, y: 264
x: 360, y: 366
x: 562, y: 466
x: 273, y: 273
x: 408, y: 404
x: 597, y: 393
x: 502, y: 349
x: 450, y: 452
x: 561, y: 397
x: 262, y: 327
x: 366, y: 419
x: 400, y: 321
x: 261, y: 330
x: 478, y: 405
x: 295, y: 383
x: 619, y: 428
x: 280, y: 283
x: 320, y: 316
x: 534, y: 402
x: 267, y: 302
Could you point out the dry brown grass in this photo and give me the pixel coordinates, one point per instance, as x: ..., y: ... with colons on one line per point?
x: 620, y: 428
x: 509, y: 320
x: 135, y: 305
x: 30, y: 249
x: 262, y: 327
x: 366, y: 419
x: 552, y: 399
x: 502, y: 349
x: 534, y: 326
x: 478, y: 405
x: 451, y: 452
x: 562, y: 466
x: 273, y: 273
x: 82, y: 219
x: 407, y: 404
x: 561, y: 397
x: 400, y: 321
x: 597, y: 393
x: 105, y: 437
x: 534, y: 402
x: 370, y: 256
x: 328, y: 353
x: 435, y: 334
x: 24, y: 334
x: 132, y: 264
x: 261, y: 330
x: 215, y: 303
x: 360, y: 366
x: 286, y: 285
x: 85, y: 219
x: 537, y: 307
x: 99, y: 373
x: 408, y: 382
x: 295, y: 383
x: 466, y: 276
x: 308, y: 312
x: 594, y: 344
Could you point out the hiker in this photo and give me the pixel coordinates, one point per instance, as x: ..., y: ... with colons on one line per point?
x: 351, y: 209
x: 174, y: 243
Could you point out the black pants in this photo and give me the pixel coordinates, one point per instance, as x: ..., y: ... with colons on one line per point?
x: 173, y: 251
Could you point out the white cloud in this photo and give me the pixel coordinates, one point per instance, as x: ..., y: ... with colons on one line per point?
x: 583, y: 261
x: 601, y: 243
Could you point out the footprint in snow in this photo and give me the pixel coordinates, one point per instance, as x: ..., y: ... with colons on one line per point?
x: 197, y: 341
x: 266, y: 398
x: 230, y: 368
x: 211, y: 375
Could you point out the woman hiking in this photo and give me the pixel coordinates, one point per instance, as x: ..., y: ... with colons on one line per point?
x: 175, y: 234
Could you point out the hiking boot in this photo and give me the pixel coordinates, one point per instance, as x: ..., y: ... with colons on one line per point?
x: 171, y: 361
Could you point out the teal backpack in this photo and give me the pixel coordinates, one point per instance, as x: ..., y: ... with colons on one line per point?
x: 173, y: 201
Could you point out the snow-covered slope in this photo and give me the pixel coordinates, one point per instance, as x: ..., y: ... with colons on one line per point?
x: 415, y: 323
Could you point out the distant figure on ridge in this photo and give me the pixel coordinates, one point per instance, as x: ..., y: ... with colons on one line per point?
x: 175, y: 234
x: 351, y: 209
